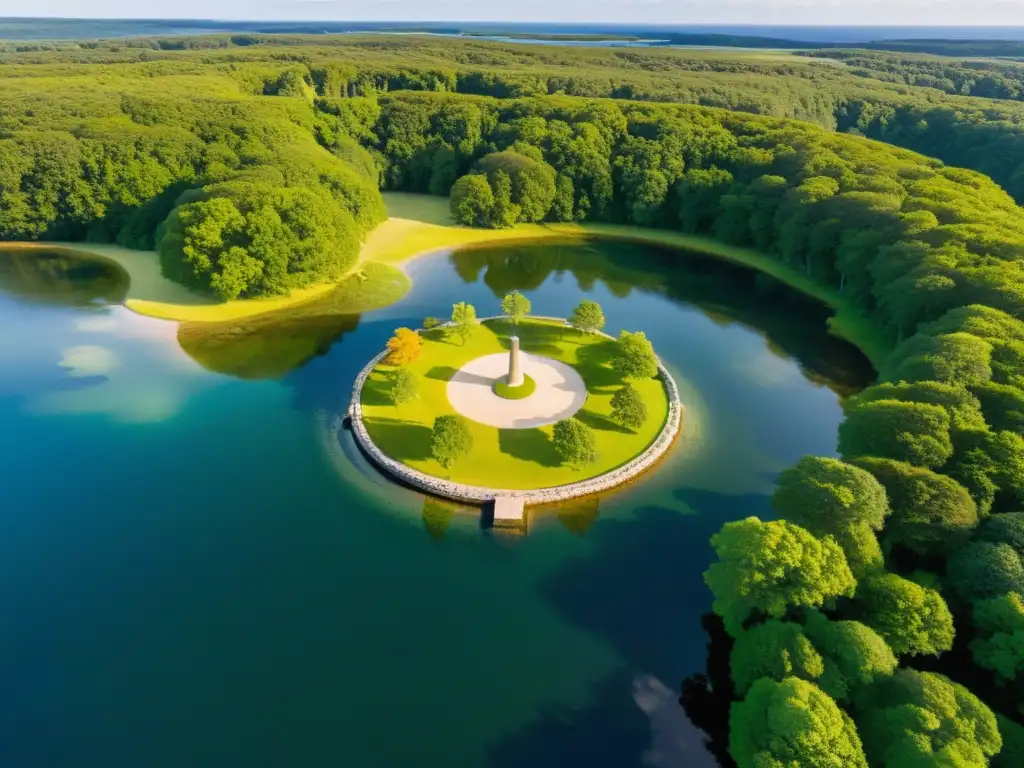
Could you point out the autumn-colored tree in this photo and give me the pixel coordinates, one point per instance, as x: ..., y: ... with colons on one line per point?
x: 404, y: 347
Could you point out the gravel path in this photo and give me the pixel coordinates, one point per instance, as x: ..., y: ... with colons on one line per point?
x: 560, y: 392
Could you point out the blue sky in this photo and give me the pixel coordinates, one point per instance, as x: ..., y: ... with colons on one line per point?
x: 859, y: 12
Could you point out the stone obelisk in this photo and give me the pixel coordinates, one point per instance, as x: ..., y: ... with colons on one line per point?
x: 515, y: 374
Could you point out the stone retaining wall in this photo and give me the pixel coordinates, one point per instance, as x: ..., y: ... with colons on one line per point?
x: 472, y: 494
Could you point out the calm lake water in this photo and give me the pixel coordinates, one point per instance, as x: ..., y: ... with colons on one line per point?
x: 194, y: 572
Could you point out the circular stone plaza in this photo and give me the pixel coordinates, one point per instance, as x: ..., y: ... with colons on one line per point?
x: 511, y: 383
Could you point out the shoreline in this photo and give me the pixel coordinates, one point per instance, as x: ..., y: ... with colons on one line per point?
x: 420, y: 225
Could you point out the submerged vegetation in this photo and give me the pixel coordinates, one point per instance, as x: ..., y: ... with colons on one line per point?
x: 894, y: 575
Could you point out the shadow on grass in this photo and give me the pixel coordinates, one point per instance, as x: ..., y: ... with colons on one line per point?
x: 441, y: 372
x: 377, y: 390
x: 401, y: 440
x: 594, y: 364
x: 528, y: 445
x: 538, y: 338
x: 602, y: 423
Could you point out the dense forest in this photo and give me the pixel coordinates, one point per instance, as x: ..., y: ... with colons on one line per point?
x: 887, y: 597
x: 987, y: 79
x: 983, y: 134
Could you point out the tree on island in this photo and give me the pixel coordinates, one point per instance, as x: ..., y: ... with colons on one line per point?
x: 574, y: 443
x: 628, y: 408
x: 516, y: 306
x: 588, y: 316
x: 405, y: 386
x: 430, y: 323
x: 634, y: 356
x: 463, y: 320
x: 450, y: 439
x: 404, y: 347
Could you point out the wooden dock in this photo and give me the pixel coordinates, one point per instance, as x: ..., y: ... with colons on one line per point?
x: 509, y: 512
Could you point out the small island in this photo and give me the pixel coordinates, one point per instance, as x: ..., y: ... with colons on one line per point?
x: 536, y: 408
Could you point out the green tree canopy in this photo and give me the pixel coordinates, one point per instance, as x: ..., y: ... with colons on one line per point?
x: 472, y: 201
x: 792, y: 723
x: 917, y: 433
x: 826, y: 495
x: 516, y: 306
x: 921, y: 718
x: 628, y: 407
x: 588, y: 316
x: 574, y: 442
x: 931, y: 513
x: 1012, y: 753
x: 962, y: 406
x: 829, y: 497
x: 838, y: 656
x: 634, y: 356
x: 532, y: 182
x: 999, y: 645
x: 464, y: 320
x: 767, y: 568
x: 983, y: 569
x: 913, y: 620
x: 405, y: 386
x: 957, y: 358
x: 246, y: 239
x: 450, y: 439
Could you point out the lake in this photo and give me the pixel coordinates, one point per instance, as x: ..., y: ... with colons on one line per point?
x: 197, y: 570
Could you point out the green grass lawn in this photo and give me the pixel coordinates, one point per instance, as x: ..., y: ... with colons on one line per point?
x: 523, y: 391
x: 509, y: 458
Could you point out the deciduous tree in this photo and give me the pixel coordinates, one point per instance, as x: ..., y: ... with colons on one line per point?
x: 914, y: 620
x: 574, y: 442
x: 464, y: 320
x: 917, y: 433
x: 588, y: 316
x: 792, y: 723
x: 516, y: 306
x: 768, y: 568
x: 634, y: 356
x: 405, y: 386
x: 404, y: 347
x: 629, y: 408
x: 921, y: 718
x: 450, y: 439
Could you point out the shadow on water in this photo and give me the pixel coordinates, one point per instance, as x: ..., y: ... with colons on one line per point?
x: 666, y: 552
x: 265, y: 346
x: 57, y: 277
x: 794, y: 324
x: 269, y: 346
x: 578, y: 515
x: 633, y: 720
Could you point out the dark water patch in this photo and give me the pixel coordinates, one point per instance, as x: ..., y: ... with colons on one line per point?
x: 213, y: 587
x: 57, y: 277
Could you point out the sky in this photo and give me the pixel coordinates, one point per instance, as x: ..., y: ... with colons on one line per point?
x: 810, y: 12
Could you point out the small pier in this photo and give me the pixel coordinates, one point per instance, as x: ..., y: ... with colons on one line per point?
x: 509, y: 512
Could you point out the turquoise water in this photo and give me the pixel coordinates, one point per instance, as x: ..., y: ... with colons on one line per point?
x: 195, y: 572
